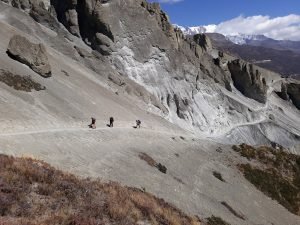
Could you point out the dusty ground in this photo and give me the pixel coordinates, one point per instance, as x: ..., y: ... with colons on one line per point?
x: 113, y: 154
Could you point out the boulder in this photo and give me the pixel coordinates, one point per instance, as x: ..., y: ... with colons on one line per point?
x: 33, y: 55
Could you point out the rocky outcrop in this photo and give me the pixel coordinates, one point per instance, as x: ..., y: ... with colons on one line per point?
x: 291, y: 91
x: 202, y: 40
x: 103, y: 44
x: 40, y: 10
x: 86, y: 19
x: 283, y: 93
x: 161, y: 18
x: 67, y: 14
x: 33, y: 55
x: 248, y: 81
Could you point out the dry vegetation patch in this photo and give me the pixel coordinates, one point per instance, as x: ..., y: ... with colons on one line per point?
x: 151, y: 162
x: 275, y: 172
x: 213, y: 220
x: 34, y: 193
x: 21, y: 83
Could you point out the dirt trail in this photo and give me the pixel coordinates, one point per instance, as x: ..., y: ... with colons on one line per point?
x: 78, y: 129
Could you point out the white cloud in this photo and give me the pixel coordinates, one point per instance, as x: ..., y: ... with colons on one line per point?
x: 280, y: 28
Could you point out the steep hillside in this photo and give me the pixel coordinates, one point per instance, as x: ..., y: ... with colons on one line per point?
x: 144, y: 58
x: 123, y: 59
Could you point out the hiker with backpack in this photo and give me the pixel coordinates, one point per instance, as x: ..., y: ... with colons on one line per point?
x: 138, y: 124
x: 111, y: 122
x: 93, y: 124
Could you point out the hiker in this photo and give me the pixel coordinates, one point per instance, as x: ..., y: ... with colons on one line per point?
x: 138, y: 124
x: 111, y: 122
x: 93, y: 124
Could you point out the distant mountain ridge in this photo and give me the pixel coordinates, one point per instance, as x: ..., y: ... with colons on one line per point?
x: 241, y: 39
x: 283, y: 61
x: 245, y: 39
x: 281, y: 56
x: 196, y: 29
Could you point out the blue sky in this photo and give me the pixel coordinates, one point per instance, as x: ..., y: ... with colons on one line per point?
x: 196, y: 12
x: 277, y: 19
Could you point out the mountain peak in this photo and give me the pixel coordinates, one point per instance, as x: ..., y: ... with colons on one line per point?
x: 241, y: 39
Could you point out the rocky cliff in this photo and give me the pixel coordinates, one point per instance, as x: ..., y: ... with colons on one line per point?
x: 290, y: 91
x: 248, y: 81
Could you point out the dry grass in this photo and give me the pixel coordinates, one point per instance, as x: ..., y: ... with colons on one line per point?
x: 21, y: 83
x: 213, y: 220
x: 34, y: 193
x: 274, y: 172
x: 148, y: 159
x: 151, y: 162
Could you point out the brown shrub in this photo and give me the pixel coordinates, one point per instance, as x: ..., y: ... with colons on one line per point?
x: 213, y: 220
x: 151, y: 162
x: 276, y: 173
x: 33, y: 192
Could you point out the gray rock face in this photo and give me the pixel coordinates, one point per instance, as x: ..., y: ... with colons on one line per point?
x: 40, y: 10
x: 40, y: 14
x: 248, y: 81
x: 84, y: 19
x: 283, y: 93
x: 291, y: 91
x: 23, y: 4
x: 141, y: 44
x: 33, y: 55
x: 161, y: 18
x: 103, y: 44
x: 27, y: 5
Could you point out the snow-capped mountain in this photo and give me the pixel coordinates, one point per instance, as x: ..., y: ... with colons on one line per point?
x: 196, y: 29
x: 239, y: 39
x: 191, y: 30
x: 242, y: 39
